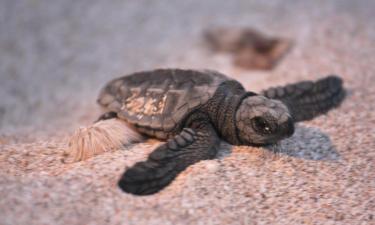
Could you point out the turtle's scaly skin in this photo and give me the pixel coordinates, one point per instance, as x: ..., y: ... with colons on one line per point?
x: 195, y: 110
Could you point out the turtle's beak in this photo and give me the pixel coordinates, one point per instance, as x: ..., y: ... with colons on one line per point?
x: 287, y: 128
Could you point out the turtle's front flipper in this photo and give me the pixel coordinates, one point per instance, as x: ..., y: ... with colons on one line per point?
x: 308, y: 99
x: 168, y: 160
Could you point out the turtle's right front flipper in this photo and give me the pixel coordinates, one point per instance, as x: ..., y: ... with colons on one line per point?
x: 192, y: 145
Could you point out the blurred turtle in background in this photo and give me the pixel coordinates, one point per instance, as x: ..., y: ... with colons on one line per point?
x: 250, y: 48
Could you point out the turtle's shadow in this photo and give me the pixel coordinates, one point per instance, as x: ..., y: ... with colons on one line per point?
x: 308, y: 143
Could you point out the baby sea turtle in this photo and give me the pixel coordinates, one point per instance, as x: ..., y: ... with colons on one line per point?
x: 195, y: 110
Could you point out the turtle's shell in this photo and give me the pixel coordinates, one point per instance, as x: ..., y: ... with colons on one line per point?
x: 159, y: 99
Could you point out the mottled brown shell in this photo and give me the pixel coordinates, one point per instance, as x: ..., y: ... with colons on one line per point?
x: 159, y: 99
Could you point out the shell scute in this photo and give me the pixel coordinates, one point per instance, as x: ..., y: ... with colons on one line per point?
x: 159, y: 99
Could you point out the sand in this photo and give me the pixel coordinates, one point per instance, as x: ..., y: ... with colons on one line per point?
x: 55, y: 57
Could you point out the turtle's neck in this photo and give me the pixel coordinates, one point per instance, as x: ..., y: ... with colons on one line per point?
x: 222, y: 110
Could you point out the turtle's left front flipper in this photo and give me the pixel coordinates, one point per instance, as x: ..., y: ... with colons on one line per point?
x: 308, y: 99
x: 192, y: 145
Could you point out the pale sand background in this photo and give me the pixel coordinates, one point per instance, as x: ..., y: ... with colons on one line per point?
x: 56, y: 55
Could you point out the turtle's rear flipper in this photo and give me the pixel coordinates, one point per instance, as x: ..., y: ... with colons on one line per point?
x: 107, y: 134
x: 308, y: 99
x: 107, y: 116
x: 169, y: 159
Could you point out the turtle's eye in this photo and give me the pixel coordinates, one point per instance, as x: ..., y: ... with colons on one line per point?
x: 261, y: 125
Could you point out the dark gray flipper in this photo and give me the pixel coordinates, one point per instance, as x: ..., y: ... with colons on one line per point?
x: 107, y: 116
x: 168, y: 160
x: 308, y: 99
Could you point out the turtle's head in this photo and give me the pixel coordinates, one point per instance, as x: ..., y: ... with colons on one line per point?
x: 262, y: 121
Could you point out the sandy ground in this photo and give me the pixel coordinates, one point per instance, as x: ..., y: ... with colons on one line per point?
x: 54, y: 58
